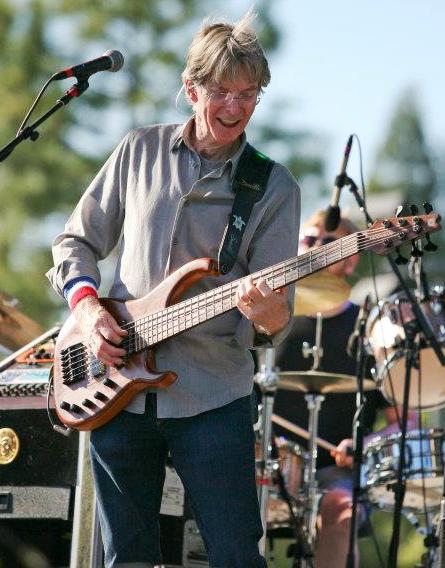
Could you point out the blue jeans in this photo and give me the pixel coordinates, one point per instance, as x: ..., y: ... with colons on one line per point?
x: 213, y: 453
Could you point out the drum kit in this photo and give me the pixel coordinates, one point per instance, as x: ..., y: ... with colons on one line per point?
x: 286, y: 472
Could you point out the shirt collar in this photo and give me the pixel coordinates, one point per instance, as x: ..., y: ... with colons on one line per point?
x: 182, y: 136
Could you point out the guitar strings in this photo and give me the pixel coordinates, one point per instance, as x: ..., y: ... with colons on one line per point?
x: 178, y: 317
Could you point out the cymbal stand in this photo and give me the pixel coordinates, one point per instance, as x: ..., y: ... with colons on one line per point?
x: 267, y: 380
x: 314, y: 401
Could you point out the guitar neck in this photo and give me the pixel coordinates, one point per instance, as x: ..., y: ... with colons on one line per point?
x: 173, y: 320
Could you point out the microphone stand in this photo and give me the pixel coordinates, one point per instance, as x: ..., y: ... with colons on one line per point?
x: 418, y: 325
x: 358, y: 432
x: 30, y: 131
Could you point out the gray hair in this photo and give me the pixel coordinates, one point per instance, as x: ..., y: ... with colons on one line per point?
x: 219, y: 51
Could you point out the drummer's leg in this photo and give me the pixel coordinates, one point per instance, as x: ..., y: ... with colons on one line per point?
x: 335, y: 512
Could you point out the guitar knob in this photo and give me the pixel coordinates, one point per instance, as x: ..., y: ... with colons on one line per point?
x: 88, y: 403
x: 98, y: 395
x: 65, y: 405
x: 75, y: 408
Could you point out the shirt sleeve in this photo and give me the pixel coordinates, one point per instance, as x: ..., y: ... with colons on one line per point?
x: 95, y: 225
x: 275, y: 240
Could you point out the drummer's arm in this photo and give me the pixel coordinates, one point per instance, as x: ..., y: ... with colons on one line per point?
x: 392, y: 423
x: 342, y: 453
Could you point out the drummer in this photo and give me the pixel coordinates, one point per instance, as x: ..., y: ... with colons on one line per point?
x: 337, y: 410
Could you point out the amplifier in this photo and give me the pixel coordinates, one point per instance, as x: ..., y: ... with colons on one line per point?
x: 38, y: 472
x: 38, y: 467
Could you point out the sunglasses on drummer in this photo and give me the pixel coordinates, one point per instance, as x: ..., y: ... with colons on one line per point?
x: 310, y: 240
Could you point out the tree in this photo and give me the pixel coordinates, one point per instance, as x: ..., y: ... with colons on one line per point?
x: 42, y: 180
x: 407, y: 167
x: 405, y: 163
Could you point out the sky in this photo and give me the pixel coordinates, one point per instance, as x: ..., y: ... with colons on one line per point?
x: 345, y: 64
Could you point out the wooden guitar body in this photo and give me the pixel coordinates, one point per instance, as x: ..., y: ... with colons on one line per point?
x: 89, y: 393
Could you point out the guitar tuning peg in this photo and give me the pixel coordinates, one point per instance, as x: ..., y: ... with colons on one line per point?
x: 414, y: 209
x: 399, y: 258
x: 427, y: 207
x: 430, y: 247
x: 417, y: 253
x: 399, y: 210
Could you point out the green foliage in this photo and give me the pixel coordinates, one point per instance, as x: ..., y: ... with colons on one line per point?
x: 404, y: 163
x: 42, y: 180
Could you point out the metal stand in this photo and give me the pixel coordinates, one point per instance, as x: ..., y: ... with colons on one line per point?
x: 267, y: 380
x: 86, y: 543
x: 358, y: 433
x: 399, y: 491
x: 314, y: 401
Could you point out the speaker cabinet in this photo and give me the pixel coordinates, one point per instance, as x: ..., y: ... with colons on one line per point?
x: 38, y: 470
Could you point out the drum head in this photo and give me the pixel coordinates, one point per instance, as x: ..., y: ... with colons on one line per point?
x: 387, y: 343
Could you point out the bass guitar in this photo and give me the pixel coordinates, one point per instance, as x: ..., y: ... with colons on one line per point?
x: 89, y: 393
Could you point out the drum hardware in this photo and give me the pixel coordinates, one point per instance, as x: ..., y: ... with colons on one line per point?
x: 268, y: 463
x: 358, y: 429
x: 266, y: 379
x: 386, y: 336
x: 321, y: 382
x: 419, y: 324
x: 411, y: 330
x: 320, y: 292
x: 314, y: 399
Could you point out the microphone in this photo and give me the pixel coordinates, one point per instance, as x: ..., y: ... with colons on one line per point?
x: 332, y: 218
x: 111, y: 60
x: 359, y: 328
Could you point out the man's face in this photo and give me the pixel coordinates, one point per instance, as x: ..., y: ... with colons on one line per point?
x: 315, y: 236
x: 223, y: 110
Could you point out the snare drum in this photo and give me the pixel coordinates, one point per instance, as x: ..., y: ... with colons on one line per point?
x: 424, y: 470
x: 292, y: 460
x: 386, y: 337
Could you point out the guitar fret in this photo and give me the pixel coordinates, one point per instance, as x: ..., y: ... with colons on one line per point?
x: 193, y: 311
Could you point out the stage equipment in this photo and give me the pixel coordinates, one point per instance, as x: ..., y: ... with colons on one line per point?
x: 321, y: 382
x: 333, y: 212
x: 386, y: 336
x: 320, y: 292
x: 423, y: 474
x: 16, y: 328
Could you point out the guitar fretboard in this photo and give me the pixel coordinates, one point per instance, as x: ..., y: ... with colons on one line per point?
x: 173, y: 320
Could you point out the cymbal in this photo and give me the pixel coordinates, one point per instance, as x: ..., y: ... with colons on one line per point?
x: 320, y: 292
x: 16, y: 329
x: 320, y: 382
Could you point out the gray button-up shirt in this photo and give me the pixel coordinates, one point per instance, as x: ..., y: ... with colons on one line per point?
x: 148, y: 199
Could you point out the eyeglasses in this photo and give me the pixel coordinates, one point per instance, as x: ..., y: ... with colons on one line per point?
x: 226, y: 97
x: 310, y: 240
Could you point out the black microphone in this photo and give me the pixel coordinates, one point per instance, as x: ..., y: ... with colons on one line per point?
x: 111, y: 60
x: 333, y: 212
x: 360, y: 323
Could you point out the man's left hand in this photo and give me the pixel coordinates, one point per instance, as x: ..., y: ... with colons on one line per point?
x: 266, y: 308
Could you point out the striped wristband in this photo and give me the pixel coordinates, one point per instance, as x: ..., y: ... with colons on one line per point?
x: 78, y: 288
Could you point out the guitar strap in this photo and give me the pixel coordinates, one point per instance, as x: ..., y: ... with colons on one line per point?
x: 249, y: 184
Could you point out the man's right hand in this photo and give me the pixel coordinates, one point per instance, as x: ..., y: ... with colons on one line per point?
x: 100, y: 331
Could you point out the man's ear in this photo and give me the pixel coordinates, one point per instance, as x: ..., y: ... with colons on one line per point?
x: 190, y: 90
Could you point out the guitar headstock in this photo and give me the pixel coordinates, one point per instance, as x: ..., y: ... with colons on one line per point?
x: 386, y: 235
